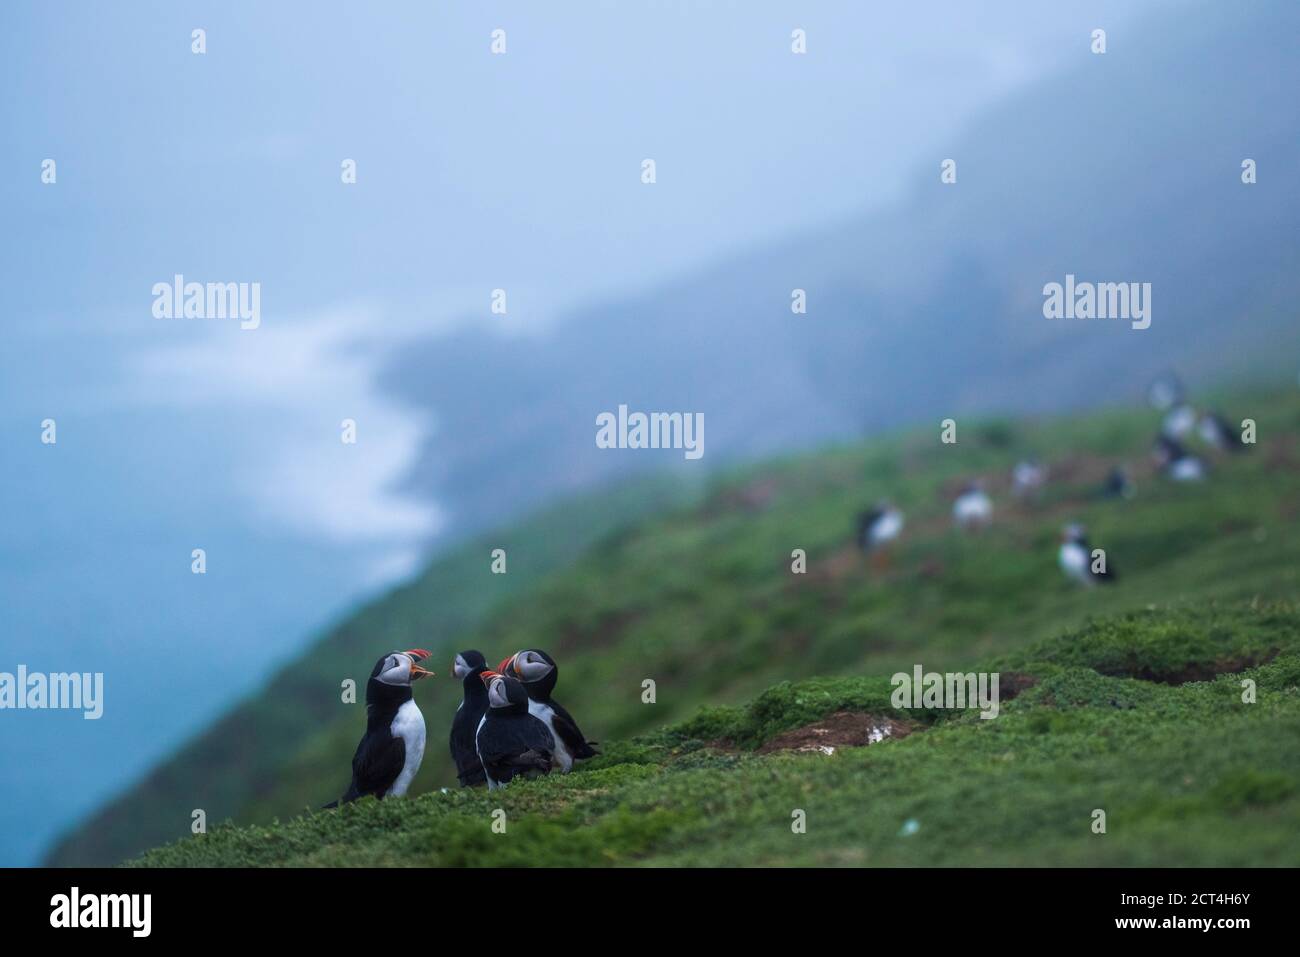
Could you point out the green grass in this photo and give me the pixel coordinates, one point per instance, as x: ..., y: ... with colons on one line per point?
x: 1186, y: 775
x: 700, y: 598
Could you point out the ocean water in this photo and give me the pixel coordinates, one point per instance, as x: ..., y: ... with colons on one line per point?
x: 161, y: 449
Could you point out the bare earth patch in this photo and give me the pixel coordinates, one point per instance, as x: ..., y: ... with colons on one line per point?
x: 843, y: 729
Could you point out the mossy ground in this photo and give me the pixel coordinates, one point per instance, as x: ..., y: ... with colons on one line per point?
x: 1187, y: 775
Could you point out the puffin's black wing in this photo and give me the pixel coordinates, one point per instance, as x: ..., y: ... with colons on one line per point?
x: 570, y: 733
x: 526, y: 763
x: 1231, y: 438
x: 866, y: 522
x: 376, y: 765
x: 514, y: 744
x: 469, y: 769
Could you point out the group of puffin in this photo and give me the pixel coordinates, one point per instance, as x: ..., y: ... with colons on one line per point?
x: 507, y: 725
x: 1180, y: 420
x: 972, y: 509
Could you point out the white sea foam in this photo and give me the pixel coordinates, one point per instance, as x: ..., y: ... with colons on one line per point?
x: 303, y: 378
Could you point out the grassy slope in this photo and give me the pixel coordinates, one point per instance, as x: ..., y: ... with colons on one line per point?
x: 1187, y: 775
x: 702, y: 600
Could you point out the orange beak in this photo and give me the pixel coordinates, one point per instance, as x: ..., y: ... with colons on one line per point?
x: 487, y: 676
x: 417, y: 654
x: 507, y: 664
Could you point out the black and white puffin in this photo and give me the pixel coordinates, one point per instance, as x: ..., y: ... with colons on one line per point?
x: 879, y: 526
x: 467, y: 667
x: 1075, y: 557
x: 509, y: 740
x: 1178, y: 421
x: 1176, y: 462
x: 1028, y: 478
x: 1214, y: 429
x: 538, y: 673
x: 392, y: 748
x: 972, y: 508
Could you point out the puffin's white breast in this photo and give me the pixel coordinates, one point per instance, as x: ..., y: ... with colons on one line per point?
x: 408, y: 724
x: 1074, y: 561
x: 1187, y: 469
x: 972, y: 507
x: 547, y: 716
x: 887, y: 527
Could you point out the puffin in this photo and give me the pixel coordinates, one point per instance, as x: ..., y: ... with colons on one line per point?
x: 1214, y: 429
x: 1028, y: 478
x: 510, y: 741
x: 1075, y: 558
x: 1118, y: 484
x: 1178, y: 421
x: 538, y: 673
x: 972, y: 507
x: 1176, y: 462
x: 879, y: 526
x: 467, y: 667
x: 392, y: 748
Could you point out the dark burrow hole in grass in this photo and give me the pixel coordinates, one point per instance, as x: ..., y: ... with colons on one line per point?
x: 1011, y: 683
x: 1194, y: 670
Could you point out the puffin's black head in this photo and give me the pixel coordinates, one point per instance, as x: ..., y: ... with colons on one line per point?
x: 468, y: 663
x: 393, y: 674
x: 505, y: 694
x: 536, y: 670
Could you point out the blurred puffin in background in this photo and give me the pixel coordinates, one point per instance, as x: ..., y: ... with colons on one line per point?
x: 1176, y: 462
x: 972, y: 508
x: 878, y: 527
x: 1118, y: 484
x: 1028, y: 478
x: 1077, y: 561
x: 1215, y: 431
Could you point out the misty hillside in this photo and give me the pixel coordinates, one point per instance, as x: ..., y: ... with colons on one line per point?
x: 1126, y: 167
x: 692, y: 587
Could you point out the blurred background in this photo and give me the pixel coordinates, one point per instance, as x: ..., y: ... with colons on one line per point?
x: 521, y: 172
